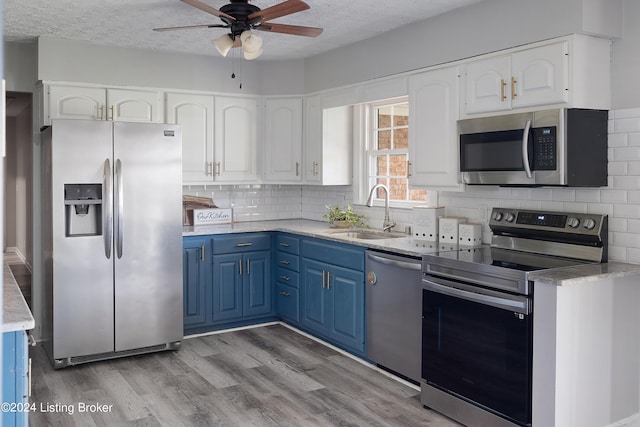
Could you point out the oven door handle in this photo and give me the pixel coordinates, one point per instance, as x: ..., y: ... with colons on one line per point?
x: 516, y: 304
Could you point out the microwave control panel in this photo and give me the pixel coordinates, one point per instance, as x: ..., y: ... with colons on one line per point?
x: 544, y: 145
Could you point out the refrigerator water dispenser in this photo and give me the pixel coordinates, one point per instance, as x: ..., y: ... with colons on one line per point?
x: 83, y: 209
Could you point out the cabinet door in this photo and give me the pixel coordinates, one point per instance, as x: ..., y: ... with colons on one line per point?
x: 541, y: 76
x: 488, y: 85
x: 287, y: 303
x: 227, y: 287
x: 257, y: 289
x: 283, y: 140
x: 15, y: 378
x: 314, y: 297
x: 195, y: 281
x: 195, y: 114
x: 346, y: 291
x: 71, y: 102
x: 235, y: 139
x: 134, y: 106
x: 433, y: 145
x: 313, y: 140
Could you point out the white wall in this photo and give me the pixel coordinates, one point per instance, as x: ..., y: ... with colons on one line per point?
x: 20, y: 64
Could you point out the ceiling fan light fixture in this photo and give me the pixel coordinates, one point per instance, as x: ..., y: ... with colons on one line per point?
x: 224, y: 44
x: 252, y: 55
x: 250, y: 42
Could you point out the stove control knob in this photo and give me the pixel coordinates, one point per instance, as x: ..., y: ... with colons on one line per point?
x: 589, y: 224
x: 497, y: 216
x: 509, y: 217
x: 573, y: 222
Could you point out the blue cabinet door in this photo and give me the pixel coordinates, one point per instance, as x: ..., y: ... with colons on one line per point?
x: 227, y: 287
x: 15, y: 373
x: 257, y: 284
x: 196, y: 281
x: 314, y: 297
x: 346, y: 291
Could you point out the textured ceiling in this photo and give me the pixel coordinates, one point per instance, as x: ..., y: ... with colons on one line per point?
x: 129, y: 23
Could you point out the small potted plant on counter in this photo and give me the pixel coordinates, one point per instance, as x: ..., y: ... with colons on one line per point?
x: 344, y: 218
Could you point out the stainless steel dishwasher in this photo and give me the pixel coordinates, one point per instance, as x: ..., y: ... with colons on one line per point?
x: 394, y: 312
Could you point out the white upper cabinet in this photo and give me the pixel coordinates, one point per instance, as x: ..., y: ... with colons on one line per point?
x: 196, y: 115
x: 235, y: 140
x: 328, y: 144
x: 573, y: 72
x: 282, y: 140
x: 529, y: 78
x: 98, y: 103
x: 433, y: 145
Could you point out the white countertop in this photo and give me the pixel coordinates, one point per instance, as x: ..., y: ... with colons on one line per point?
x: 413, y: 247
x: 401, y: 245
x: 16, y: 315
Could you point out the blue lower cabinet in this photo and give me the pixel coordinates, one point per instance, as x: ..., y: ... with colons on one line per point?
x: 332, y: 296
x: 196, y: 281
x: 15, y: 379
x: 241, y: 285
x: 287, y: 303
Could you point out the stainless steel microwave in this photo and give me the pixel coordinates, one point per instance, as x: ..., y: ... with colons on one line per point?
x: 560, y: 147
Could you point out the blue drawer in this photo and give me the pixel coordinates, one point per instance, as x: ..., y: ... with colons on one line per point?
x: 348, y: 256
x: 288, y: 243
x: 243, y: 242
x: 286, y: 260
x: 288, y: 277
x: 287, y: 302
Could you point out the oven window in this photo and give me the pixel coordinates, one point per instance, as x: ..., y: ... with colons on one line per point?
x: 479, y: 352
x: 492, y: 151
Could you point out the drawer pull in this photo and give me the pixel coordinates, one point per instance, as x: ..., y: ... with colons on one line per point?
x: 286, y: 245
x: 284, y: 294
x: 287, y: 278
x: 285, y: 262
x: 240, y: 245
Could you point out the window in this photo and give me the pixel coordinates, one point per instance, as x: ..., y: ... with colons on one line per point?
x: 388, y: 151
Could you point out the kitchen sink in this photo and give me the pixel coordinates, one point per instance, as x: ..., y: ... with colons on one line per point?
x: 368, y: 234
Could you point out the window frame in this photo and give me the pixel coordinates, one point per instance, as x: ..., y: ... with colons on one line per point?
x: 364, y: 126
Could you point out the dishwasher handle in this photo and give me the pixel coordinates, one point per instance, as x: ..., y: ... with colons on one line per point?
x: 408, y: 264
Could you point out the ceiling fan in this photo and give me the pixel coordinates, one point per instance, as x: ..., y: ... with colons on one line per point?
x: 240, y: 18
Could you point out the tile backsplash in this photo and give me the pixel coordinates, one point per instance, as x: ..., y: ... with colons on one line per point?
x: 620, y: 200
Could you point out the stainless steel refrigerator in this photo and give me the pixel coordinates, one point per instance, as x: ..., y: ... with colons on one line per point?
x: 112, y: 239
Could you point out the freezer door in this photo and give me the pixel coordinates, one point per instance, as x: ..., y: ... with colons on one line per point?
x: 147, y: 234
x: 82, y: 294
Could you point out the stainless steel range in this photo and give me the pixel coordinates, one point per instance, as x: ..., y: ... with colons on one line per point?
x: 478, y: 305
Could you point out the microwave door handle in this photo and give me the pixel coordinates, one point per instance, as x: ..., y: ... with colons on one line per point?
x: 525, y: 149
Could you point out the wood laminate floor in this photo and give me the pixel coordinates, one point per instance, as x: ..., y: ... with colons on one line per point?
x: 265, y: 376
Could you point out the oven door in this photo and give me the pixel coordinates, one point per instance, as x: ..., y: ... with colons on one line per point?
x: 477, y: 346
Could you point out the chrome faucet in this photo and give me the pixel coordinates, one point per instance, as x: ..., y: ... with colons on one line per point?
x: 387, y: 225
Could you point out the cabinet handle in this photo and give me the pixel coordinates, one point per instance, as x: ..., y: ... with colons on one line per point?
x: 513, y: 88
x: 286, y: 245
x: 218, y: 172
x: 328, y: 280
x: 209, y: 168
x: 287, y: 278
x: 284, y: 294
x: 297, y: 169
x: 112, y: 116
x: 503, y: 85
x: 243, y: 244
x: 315, y: 168
x: 202, y: 253
x: 323, y: 282
x: 101, y: 112
x: 248, y: 265
x: 240, y: 265
x: 408, y: 168
x: 284, y: 262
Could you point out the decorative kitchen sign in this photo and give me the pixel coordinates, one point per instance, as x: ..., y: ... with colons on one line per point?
x: 212, y: 216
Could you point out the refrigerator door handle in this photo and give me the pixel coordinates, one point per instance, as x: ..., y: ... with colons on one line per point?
x: 107, y: 213
x: 118, y: 208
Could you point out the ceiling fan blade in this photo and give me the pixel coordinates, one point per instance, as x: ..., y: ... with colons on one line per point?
x: 295, y: 30
x: 281, y: 9
x: 189, y: 27
x: 206, y: 8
